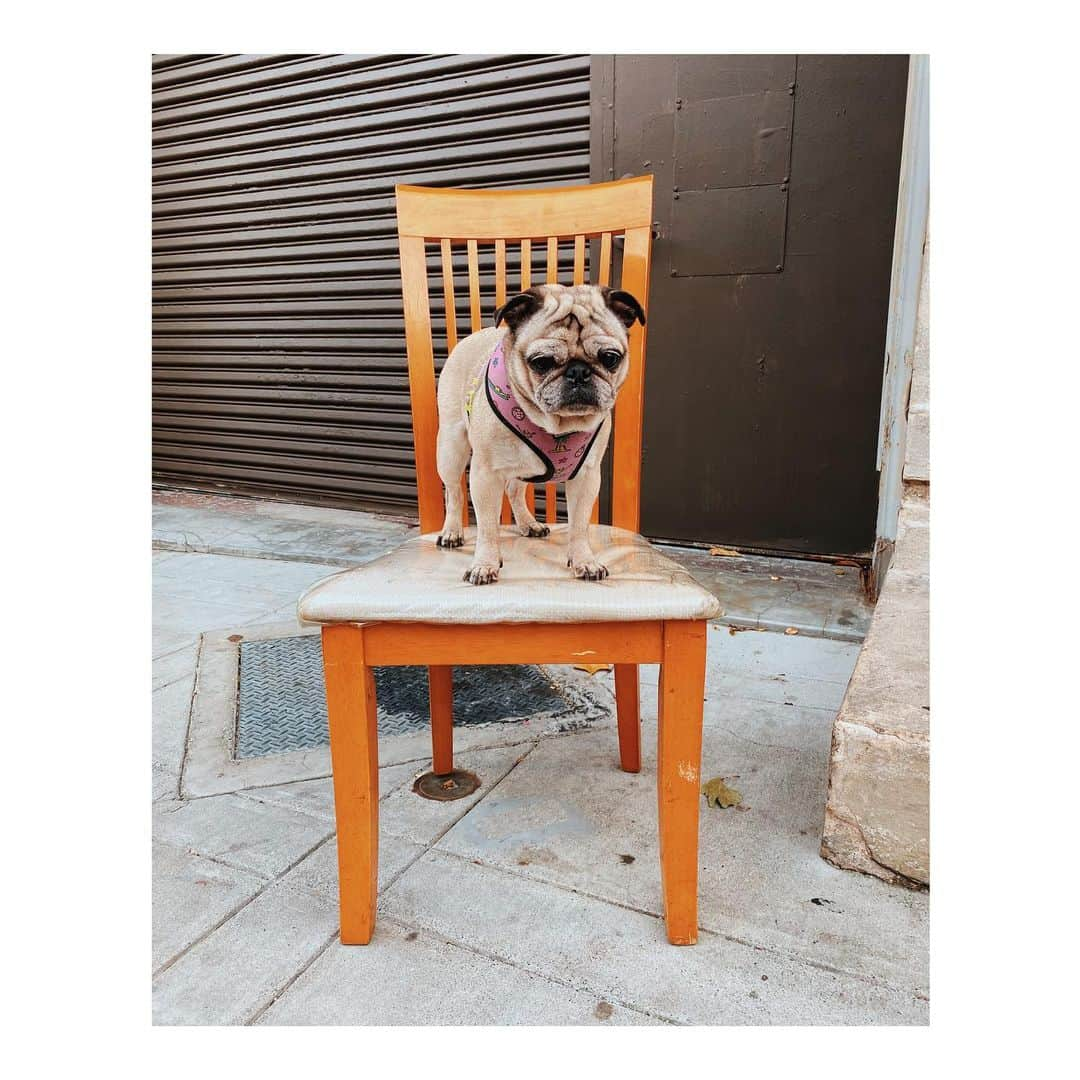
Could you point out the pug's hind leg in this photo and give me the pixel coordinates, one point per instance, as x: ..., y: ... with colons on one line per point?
x: 523, y: 517
x: 581, y: 492
x: 486, y: 488
x: 451, y: 457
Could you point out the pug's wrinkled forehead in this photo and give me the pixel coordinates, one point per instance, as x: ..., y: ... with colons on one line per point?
x: 570, y: 311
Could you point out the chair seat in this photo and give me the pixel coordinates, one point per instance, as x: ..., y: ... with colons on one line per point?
x: 419, y: 582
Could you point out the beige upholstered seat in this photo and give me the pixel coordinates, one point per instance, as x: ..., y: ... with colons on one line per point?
x: 419, y: 582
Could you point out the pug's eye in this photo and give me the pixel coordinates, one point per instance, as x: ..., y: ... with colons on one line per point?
x: 541, y: 364
x: 610, y: 358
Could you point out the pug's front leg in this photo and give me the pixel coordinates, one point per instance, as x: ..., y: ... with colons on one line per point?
x: 523, y: 516
x: 486, y: 488
x: 581, y: 493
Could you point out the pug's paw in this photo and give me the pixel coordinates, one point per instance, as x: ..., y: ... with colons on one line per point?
x: 535, y: 530
x: 450, y: 538
x: 481, y: 574
x: 589, y: 570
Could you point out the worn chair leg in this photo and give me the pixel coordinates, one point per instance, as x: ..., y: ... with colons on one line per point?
x: 682, y: 692
x: 354, y: 753
x: 441, y: 695
x: 626, y: 703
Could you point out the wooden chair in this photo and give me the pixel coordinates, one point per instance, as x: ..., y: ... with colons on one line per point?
x: 411, y: 606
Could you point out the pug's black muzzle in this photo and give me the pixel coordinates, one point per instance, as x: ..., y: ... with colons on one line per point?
x: 578, y: 385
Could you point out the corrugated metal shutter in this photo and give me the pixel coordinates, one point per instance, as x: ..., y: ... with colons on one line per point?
x: 279, y: 352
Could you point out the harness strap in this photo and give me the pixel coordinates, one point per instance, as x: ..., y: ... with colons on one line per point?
x: 562, y: 455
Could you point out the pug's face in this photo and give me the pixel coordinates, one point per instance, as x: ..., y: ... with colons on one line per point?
x: 567, y: 347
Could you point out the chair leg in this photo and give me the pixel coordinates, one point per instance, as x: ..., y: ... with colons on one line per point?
x: 682, y: 692
x: 354, y: 753
x: 441, y: 695
x: 626, y: 704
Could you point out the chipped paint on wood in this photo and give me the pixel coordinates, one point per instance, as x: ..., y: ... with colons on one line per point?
x: 688, y: 772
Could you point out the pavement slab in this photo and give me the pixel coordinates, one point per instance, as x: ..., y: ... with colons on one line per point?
x: 175, y: 664
x: 192, y: 895
x: 242, y: 833
x: 238, y: 969
x: 622, y: 955
x: 257, y: 528
x: 166, y: 641
x: 778, y: 689
x: 767, y: 666
x: 570, y: 817
x: 194, y: 594
x: 169, y: 712
x: 164, y: 784
x: 422, y: 821
x: 408, y: 824
x: 759, y: 653
x: 190, y: 528
x: 265, y: 583
x: 316, y: 797
x: 191, y: 611
x: 414, y: 977
x: 318, y: 872
x: 770, y: 593
x: 345, y: 545
x: 406, y: 814
x: 234, y: 996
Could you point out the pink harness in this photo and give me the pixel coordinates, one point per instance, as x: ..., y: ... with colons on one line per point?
x: 562, y: 455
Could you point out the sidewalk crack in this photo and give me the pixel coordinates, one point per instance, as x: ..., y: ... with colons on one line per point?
x: 605, y: 994
x: 240, y: 907
x: 769, y: 950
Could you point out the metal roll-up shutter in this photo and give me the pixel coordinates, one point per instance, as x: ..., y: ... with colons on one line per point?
x: 279, y: 347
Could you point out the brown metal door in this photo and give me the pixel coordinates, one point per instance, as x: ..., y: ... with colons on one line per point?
x: 776, y: 200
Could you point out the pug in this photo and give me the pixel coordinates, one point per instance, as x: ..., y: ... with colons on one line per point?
x: 529, y: 400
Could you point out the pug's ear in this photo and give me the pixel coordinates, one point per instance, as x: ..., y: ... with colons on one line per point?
x: 625, y: 306
x: 519, y: 308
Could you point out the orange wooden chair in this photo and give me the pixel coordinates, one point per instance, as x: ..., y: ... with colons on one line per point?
x: 412, y: 607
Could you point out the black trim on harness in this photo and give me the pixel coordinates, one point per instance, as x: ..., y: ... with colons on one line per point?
x: 549, y: 466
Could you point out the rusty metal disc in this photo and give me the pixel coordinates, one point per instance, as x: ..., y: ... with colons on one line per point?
x: 449, y: 786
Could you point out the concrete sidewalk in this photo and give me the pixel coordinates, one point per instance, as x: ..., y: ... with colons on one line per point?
x: 536, y: 900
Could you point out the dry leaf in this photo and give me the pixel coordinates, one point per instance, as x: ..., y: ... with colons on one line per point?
x: 838, y: 572
x: 731, y: 553
x: 791, y: 630
x: 717, y: 793
x: 592, y: 669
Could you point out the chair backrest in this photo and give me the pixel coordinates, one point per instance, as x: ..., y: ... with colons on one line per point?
x: 445, y: 217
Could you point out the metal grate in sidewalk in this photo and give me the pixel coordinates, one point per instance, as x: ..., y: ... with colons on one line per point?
x: 281, y: 699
